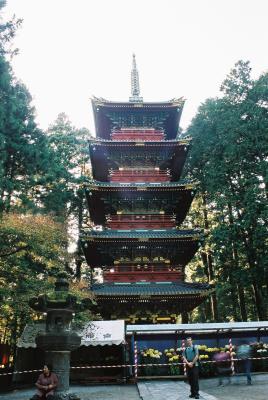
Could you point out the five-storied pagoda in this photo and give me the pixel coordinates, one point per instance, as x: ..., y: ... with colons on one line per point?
x: 136, y: 195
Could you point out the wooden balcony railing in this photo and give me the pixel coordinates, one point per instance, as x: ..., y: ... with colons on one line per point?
x: 139, y: 175
x: 117, y: 275
x: 164, y: 268
x: 146, y: 221
x: 139, y: 134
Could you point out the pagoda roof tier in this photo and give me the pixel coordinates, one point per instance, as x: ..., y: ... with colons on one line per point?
x: 154, y: 297
x: 107, y: 154
x: 140, y: 186
x: 102, y: 248
x: 139, y: 234
x: 126, y: 289
x: 109, y: 115
x: 171, y: 198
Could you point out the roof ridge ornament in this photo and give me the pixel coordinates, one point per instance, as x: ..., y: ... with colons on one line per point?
x: 135, y: 84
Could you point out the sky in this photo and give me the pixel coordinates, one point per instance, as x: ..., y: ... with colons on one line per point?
x: 70, y: 50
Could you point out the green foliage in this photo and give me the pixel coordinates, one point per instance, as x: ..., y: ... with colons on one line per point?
x: 69, y: 154
x: 80, y: 290
x: 22, y: 145
x: 229, y: 159
x: 63, y: 192
x: 31, y: 253
x: 41, y: 199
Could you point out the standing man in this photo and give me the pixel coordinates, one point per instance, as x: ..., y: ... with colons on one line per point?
x: 190, y: 357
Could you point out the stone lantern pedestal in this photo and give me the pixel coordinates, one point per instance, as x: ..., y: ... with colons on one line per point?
x: 58, y: 347
x: 59, y: 340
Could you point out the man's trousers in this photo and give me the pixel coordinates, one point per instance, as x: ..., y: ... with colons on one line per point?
x: 192, y: 374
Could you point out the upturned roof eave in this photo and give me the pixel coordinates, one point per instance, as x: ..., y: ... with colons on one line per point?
x: 130, y: 143
x: 173, y: 103
x: 135, y: 289
x: 96, y: 185
x: 150, y: 234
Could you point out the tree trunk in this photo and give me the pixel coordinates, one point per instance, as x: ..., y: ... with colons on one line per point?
x: 208, y: 261
x: 184, y: 317
x: 13, y: 339
x: 214, y: 307
x: 79, y: 255
x: 235, y: 257
x: 233, y: 291
x: 259, y: 302
x: 242, y: 302
x: 252, y: 262
x: 260, y: 306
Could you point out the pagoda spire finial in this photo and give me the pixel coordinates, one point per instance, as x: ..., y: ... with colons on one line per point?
x: 135, y: 85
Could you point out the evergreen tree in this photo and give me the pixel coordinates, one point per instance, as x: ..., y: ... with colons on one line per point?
x: 229, y: 158
x: 31, y: 254
x: 22, y: 145
x: 64, y: 193
x: 40, y: 192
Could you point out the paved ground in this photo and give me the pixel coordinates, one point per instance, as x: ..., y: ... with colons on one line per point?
x: 165, y: 390
x: 98, y: 392
x: 209, y: 389
x: 237, y: 390
x: 168, y: 390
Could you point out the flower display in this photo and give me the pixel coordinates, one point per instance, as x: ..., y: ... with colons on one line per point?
x: 204, y: 356
x: 172, y: 354
x: 150, y: 356
x: 212, y: 349
x: 151, y: 353
x: 202, y: 347
x: 173, y: 357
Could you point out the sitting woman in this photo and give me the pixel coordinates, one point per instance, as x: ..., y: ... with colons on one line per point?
x: 46, y: 384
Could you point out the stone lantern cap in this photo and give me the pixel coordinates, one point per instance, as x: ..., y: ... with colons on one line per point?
x: 59, y: 299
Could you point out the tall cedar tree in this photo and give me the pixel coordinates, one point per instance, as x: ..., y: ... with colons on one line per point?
x: 229, y: 159
x: 39, y: 186
x: 64, y: 193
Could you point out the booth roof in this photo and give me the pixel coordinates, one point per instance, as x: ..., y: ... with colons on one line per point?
x: 198, y: 328
x: 94, y: 333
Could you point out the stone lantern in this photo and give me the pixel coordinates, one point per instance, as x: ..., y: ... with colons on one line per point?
x: 59, y: 340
